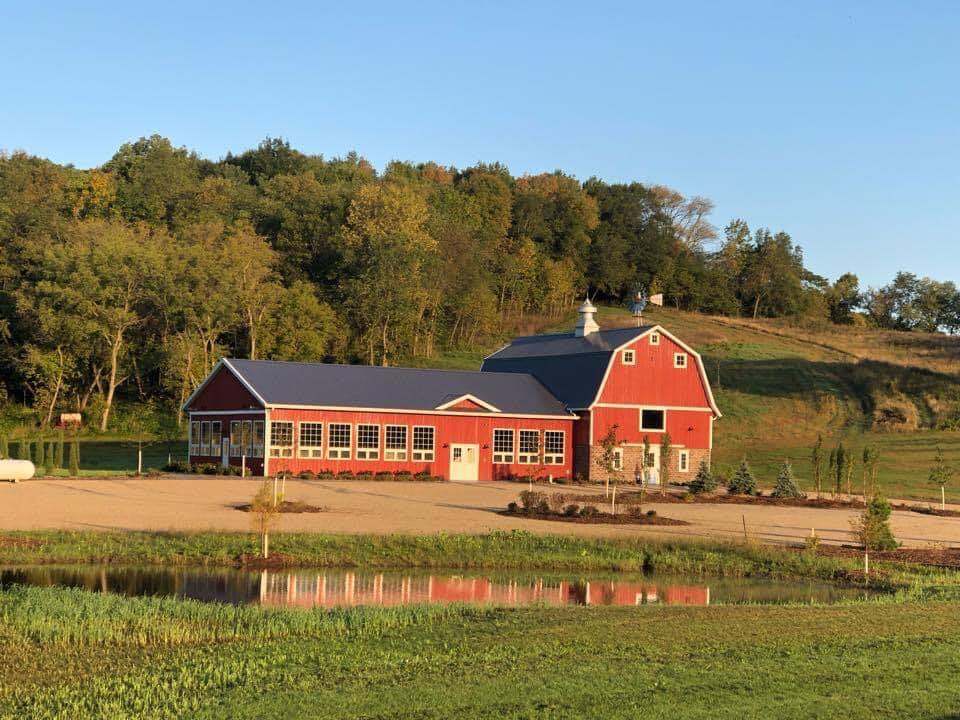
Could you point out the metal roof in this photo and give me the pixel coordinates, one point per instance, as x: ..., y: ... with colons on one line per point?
x: 571, y: 367
x: 392, y: 388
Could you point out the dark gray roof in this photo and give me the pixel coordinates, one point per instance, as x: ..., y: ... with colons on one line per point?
x: 571, y: 367
x: 365, y: 386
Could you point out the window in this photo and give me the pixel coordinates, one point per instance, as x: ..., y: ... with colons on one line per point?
x: 205, y: 438
x: 256, y: 445
x: 503, y: 446
x: 368, y: 442
x: 529, y: 447
x: 395, y: 447
x: 654, y: 338
x: 236, y: 438
x: 618, y: 458
x: 629, y: 357
x: 338, y: 442
x: 423, y: 438
x: 679, y: 360
x: 194, y: 438
x: 553, y: 447
x: 653, y: 420
x: 311, y: 440
x: 216, y: 435
x: 683, y: 461
x: 281, y: 439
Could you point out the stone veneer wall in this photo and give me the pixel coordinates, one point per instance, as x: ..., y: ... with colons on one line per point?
x: 587, y: 463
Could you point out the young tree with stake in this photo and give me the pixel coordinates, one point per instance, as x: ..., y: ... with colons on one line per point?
x: 941, y: 474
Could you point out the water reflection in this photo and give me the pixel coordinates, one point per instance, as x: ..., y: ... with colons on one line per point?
x: 338, y: 588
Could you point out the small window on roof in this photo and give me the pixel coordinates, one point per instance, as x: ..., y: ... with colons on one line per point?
x: 654, y: 338
x: 679, y: 360
x: 629, y: 357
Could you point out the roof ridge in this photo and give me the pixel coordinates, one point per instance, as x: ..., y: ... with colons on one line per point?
x: 375, y: 367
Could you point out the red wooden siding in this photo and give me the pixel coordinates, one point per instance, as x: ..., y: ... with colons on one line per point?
x: 687, y: 428
x: 653, y: 380
x: 224, y: 392
x: 466, y: 429
x: 468, y: 404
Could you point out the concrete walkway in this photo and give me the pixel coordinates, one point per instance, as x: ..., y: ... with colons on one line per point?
x: 207, y: 503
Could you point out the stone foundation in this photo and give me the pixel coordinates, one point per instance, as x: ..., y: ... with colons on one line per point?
x: 587, y: 459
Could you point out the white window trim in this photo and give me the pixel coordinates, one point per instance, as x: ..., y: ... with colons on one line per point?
x: 661, y: 429
x: 513, y: 450
x: 683, y: 461
x: 396, y: 454
x: 309, y: 452
x: 236, y: 448
x: 283, y: 451
x: 194, y: 439
x: 423, y: 453
x: 618, y: 458
x: 526, y: 459
x: 628, y: 352
x: 369, y: 453
x: 654, y: 338
x: 257, y: 450
x: 555, y: 458
x: 680, y: 361
x: 338, y: 450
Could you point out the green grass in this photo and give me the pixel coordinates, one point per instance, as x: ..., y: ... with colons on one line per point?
x: 75, y: 655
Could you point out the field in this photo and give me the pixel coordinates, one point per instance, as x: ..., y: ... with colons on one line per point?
x: 69, y: 653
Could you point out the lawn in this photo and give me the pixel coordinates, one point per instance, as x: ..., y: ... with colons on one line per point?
x: 73, y: 654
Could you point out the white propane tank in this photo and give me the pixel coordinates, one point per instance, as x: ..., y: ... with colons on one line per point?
x: 14, y: 470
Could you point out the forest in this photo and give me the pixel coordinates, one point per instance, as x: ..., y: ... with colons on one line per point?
x: 129, y: 281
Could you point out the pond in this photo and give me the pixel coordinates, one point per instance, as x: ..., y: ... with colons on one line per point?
x: 337, y: 588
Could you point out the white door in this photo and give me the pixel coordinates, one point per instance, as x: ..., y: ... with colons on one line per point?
x: 225, y: 452
x: 465, y: 462
x: 653, y: 466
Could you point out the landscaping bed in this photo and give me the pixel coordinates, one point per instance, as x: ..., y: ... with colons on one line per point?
x: 290, y: 506
x: 599, y: 518
x: 932, y: 557
x: 632, y: 497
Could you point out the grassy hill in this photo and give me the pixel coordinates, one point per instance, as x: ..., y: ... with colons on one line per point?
x: 779, y: 386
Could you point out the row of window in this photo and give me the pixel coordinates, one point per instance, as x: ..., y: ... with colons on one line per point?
x: 629, y: 357
x: 527, y: 449
x: 246, y: 438
x: 340, y: 446
x: 683, y: 460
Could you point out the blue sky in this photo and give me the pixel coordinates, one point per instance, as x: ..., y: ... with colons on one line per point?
x: 838, y: 122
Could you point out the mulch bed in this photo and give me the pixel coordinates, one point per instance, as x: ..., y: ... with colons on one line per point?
x: 276, y: 560
x: 934, y: 557
x: 633, y: 497
x: 600, y: 518
x: 288, y: 506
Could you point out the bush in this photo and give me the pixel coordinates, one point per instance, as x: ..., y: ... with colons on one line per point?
x: 571, y: 510
x: 786, y: 486
x: 384, y: 475
x: 635, y: 511
x: 364, y: 475
x: 405, y: 476
x: 209, y: 469
x: 532, y: 500
x: 178, y: 466
x: 556, y: 502
x: 588, y: 511
x: 513, y: 508
x: 743, y: 481
x: 651, y: 513
x: 345, y: 475
x: 872, y: 528
x: 704, y: 482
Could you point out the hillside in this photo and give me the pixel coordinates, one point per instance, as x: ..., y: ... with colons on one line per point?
x: 779, y: 386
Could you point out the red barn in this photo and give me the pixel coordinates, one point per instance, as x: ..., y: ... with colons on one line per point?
x: 642, y: 380
x: 540, y: 406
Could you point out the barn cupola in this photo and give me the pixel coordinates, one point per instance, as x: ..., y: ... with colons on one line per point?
x: 586, y: 325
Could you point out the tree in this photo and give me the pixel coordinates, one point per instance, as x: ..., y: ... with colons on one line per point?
x: 743, y: 481
x: 940, y: 474
x: 39, y: 456
x: 843, y: 297
x: 610, y: 458
x: 48, y: 458
x: 871, y: 464
x: 816, y: 461
x: 705, y: 481
x: 4, y: 447
x: 58, y: 451
x: 872, y: 528
x: 264, y: 514
x: 786, y: 486
x: 74, y: 457
x: 666, y: 458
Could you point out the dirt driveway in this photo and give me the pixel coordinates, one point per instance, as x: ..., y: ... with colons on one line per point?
x: 202, y: 503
